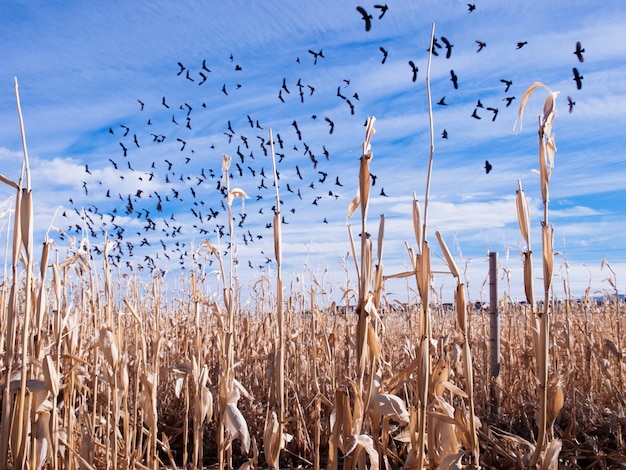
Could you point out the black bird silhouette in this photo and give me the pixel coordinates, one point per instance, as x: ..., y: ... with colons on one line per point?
x: 442, y: 102
x: 284, y: 86
x: 578, y: 78
x: 435, y: 44
x: 383, y: 9
x: 164, y: 103
x: 444, y: 134
x: 316, y: 55
x: 224, y: 89
x: 204, y: 67
x: 454, y: 79
x: 385, y: 52
x: 366, y: 17
x: 488, y: 166
x: 295, y: 125
x: 521, y: 44
x: 204, y: 78
x: 141, y: 103
x: 414, y: 69
x: 448, y: 46
x: 481, y: 45
x: 579, y: 52
x: 182, y: 68
x: 382, y: 192
x: 331, y: 124
x: 570, y: 103
x: 337, y: 181
x: 508, y: 84
x: 475, y: 115
x: 124, y: 148
x: 471, y: 7
x: 508, y: 100
x: 494, y: 111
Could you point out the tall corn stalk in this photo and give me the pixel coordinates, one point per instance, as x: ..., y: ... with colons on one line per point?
x: 16, y: 422
x: 422, y: 269
x: 230, y: 417
x: 274, y: 423
x: 548, y: 405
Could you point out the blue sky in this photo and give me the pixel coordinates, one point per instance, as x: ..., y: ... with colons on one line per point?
x: 83, y: 68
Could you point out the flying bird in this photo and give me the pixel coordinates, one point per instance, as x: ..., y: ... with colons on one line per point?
x: 442, y: 102
x: 382, y: 192
x: 383, y: 9
x: 578, y: 78
x: 414, y: 69
x: 444, y: 134
x: 521, y: 44
x: 471, y: 7
x: 454, y: 79
x: 481, y: 45
x: 494, y: 111
x: 316, y: 55
x: 570, y: 103
x: 488, y: 166
x: 508, y: 100
x: 579, y: 52
x: 141, y: 103
x: 475, y: 115
x: 508, y: 84
x: 366, y: 17
x: 385, y: 52
x: 448, y: 46
x: 331, y: 124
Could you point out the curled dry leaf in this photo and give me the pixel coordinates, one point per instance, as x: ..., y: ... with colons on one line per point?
x: 236, y: 426
x: 108, y: 345
x: 50, y: 376
x: 391, y: 406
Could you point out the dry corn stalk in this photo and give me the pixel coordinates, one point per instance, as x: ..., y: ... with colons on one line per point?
x: 547, y: 148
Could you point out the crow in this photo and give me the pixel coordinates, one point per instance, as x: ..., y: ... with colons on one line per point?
x: 579, y: 52
x: 448, y: 46
x: 571, y: 104
x: 454, y: 79
x: 366, y: 17
x: 385, y: 52
x: 578, y: 78
x: 414, y: 69
x: 383, y: 9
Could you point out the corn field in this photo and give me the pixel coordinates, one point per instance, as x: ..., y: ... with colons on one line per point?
x: 107, y: 370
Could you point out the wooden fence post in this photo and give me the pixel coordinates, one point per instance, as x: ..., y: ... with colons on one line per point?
x: 494, y: 333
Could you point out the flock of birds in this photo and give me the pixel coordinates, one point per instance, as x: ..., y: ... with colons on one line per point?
x: 170, y: 189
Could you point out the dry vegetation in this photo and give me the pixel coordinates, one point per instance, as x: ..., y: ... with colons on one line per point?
x: 101, y: 370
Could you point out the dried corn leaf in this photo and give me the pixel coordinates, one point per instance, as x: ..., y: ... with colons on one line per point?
x: 391, y: 406
x: 548, y: 255
x: 236, y: 426
x: 527, y: 94
x: 446, y: 253
x: 459, y: 298
x: 523, y: 213
x: 417, y: 223
x: 50, y: 375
